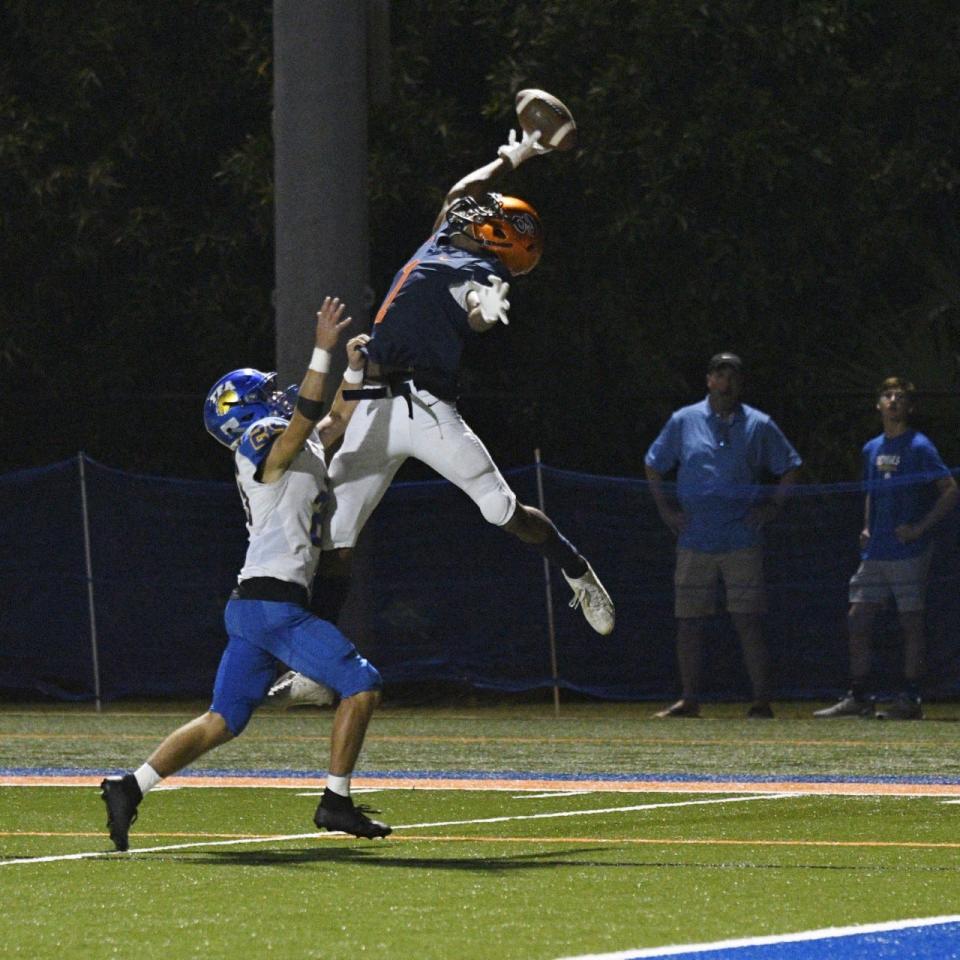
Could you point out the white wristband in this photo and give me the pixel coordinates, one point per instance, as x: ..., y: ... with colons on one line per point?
x: 320, y: 361
x: 353, y: 376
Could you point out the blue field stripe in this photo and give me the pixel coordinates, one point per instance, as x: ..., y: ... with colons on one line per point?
x: 481, y: 775
x: 918, y: 943
x: 932, y: 938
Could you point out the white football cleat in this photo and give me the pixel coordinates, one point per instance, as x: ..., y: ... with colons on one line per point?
x: 295, y: 690
x: 591, y: 597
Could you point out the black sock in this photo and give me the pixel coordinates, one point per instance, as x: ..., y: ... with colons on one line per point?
x: 559, y: 550
x: 333, y: 801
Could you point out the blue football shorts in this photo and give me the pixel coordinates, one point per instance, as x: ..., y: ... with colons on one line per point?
x: 264, y: 631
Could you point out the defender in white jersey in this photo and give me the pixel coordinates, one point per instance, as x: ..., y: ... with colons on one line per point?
x: 279, y: 442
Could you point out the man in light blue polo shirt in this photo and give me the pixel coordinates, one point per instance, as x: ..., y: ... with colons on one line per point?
x: 721, y: 449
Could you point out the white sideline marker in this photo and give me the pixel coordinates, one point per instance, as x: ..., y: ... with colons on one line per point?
x: 193, y: 845
x: 550, y: 796
x: 823, y: 934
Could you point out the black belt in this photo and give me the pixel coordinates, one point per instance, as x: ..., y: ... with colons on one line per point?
x: 269, y: 588
x: 395, y: 386
x: 398, y: 383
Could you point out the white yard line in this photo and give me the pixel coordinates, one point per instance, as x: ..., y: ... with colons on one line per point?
x: 193, y: 845
x: 585, y: 813
x: 823, y: 934
x: 554, y: 793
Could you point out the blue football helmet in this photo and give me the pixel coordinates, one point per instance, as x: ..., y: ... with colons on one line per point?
x: 241, y: 398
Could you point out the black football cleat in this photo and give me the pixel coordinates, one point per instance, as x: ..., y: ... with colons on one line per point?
x: 122, y: 796
x: 339, y: 814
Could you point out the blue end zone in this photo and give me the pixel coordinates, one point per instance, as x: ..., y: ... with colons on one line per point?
x: 918, y: 940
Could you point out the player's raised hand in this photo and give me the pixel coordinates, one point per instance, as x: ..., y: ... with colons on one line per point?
x: 330, y: 323
x: 490, y: 301
x: 516, y: 151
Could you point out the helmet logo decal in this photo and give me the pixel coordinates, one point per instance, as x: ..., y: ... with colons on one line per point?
x: 524, y: 223
x: 224, y: 397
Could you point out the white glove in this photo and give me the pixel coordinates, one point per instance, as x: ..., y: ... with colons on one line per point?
x: 493, y: 300
x: 516, y: 151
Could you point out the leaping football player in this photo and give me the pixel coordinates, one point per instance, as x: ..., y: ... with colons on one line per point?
x: 454, y: 287
x: 279, y: 454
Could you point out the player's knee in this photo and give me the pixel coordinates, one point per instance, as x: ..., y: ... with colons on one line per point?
x: 218, y: 730
x: 370, y: 697
x: 228, y: 722
x: 498, y: 506
x: 363, y: 679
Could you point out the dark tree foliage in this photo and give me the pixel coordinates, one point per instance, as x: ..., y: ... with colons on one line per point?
x: 777, y: 178
x: 136, y: 249
x: 774, y: 178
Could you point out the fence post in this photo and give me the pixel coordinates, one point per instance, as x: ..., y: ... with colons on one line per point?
x: 551, y: 631
x: 90, y: 596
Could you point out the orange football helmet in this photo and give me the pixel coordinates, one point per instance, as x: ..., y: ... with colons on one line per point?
x: 507, y: 226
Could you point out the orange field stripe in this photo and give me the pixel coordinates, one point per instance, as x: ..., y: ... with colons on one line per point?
x: 701, y: 841
x: 850, y: 789
x: 609, y: 841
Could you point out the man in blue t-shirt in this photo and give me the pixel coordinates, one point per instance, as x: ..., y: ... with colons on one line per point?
x: 721, y: 449
x: 909, y: 490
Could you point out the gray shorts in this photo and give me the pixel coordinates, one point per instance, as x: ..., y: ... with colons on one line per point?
x: 905, y: 580
x: 698, y: 575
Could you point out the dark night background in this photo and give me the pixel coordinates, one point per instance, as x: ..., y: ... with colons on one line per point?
x: 776, y: 178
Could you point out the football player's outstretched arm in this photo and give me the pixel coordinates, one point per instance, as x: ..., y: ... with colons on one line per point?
x: 509, y: 157
x: 309, y: 408
x: 331, y: 427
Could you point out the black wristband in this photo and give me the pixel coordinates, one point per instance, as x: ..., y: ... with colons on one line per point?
x: 311, y: 409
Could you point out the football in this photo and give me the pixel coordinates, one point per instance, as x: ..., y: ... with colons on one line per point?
x: 539, y: 110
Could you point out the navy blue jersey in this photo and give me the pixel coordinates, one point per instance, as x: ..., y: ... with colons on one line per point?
x: 422, y: 325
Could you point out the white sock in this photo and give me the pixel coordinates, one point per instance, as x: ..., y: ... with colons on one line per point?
x: 147, y: 778
x: 339, y: 785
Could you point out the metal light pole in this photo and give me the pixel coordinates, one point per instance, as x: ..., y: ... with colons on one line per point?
x: 320, y: 167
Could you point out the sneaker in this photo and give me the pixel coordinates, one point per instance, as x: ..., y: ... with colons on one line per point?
x: 848, y: 706
x: 590, y: 596
x: 760, y: 711
x: 122, y: 796
x: 294, y: 689
x: 682, y: 708
x: 903, y: 708
x: 340, y: 814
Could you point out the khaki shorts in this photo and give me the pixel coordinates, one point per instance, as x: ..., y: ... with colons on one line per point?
x: 905, y: 580
x: 698, y: 575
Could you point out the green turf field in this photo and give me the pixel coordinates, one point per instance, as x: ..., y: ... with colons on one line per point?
x: 214, y: 872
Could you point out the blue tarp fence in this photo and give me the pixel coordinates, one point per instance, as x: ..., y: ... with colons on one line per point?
x: 438, y: 595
